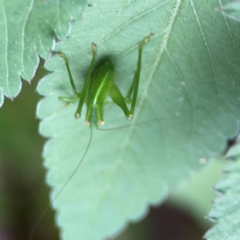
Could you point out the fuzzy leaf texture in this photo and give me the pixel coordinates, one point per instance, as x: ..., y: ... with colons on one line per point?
x: 28, y: 30
x: 225, y: 209
x: 189, y: 92
x: 231, y: 10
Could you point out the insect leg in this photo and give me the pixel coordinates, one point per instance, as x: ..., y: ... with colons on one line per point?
x: 118, y: 98
x: 87, y: 82
x: 62, y: 55
x: 68, y: 99
x: 116, y: 94
x: 134, y: 87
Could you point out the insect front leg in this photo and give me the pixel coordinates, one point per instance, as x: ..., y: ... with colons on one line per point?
x: 87, y: 82
x: 81, y: 96
x: 68, y: 99
x: 76, y: 94
x: 62, y: 55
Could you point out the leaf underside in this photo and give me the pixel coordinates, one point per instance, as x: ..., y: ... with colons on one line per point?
x: 231, y: 10
x: 189, y: 94
x: 29, y: 29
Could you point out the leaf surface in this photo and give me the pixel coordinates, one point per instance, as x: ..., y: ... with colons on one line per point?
x: 231, y: 10
x: 188, y: 93
x: 29, y: 30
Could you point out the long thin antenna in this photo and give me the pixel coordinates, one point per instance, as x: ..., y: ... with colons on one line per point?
x: 64, y: 185
x: 131, y: 125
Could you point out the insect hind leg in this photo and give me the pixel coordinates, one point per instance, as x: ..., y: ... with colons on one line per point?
x: 133, y: 90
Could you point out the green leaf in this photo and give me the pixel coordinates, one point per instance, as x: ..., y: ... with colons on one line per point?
x: 231, y: 10
x: 29, y: 29
x: 234, y: 151
x: 188, y: 92
x: 226, y: 206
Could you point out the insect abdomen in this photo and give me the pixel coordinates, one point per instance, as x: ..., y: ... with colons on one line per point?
x: 102, y: 81
x: 101, y: 84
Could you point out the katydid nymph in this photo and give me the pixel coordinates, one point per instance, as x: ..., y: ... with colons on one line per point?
x: 98, y: 85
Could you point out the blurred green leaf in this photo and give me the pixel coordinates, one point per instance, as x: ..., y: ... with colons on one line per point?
x: 225, y: 210
x: 195, y: 195
x: 29, y: 29
x: 189, y: 85
x: 234, y: 151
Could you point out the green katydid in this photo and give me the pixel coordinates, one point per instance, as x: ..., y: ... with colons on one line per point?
x: 98, y: 85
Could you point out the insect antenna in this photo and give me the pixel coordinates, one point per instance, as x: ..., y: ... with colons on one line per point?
x: 62, y: 188
x: 131, y: 125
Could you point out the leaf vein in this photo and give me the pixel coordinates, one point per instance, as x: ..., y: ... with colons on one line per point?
x: 23, y: 32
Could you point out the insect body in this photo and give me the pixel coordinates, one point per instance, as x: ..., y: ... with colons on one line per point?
x: 99, y: 85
